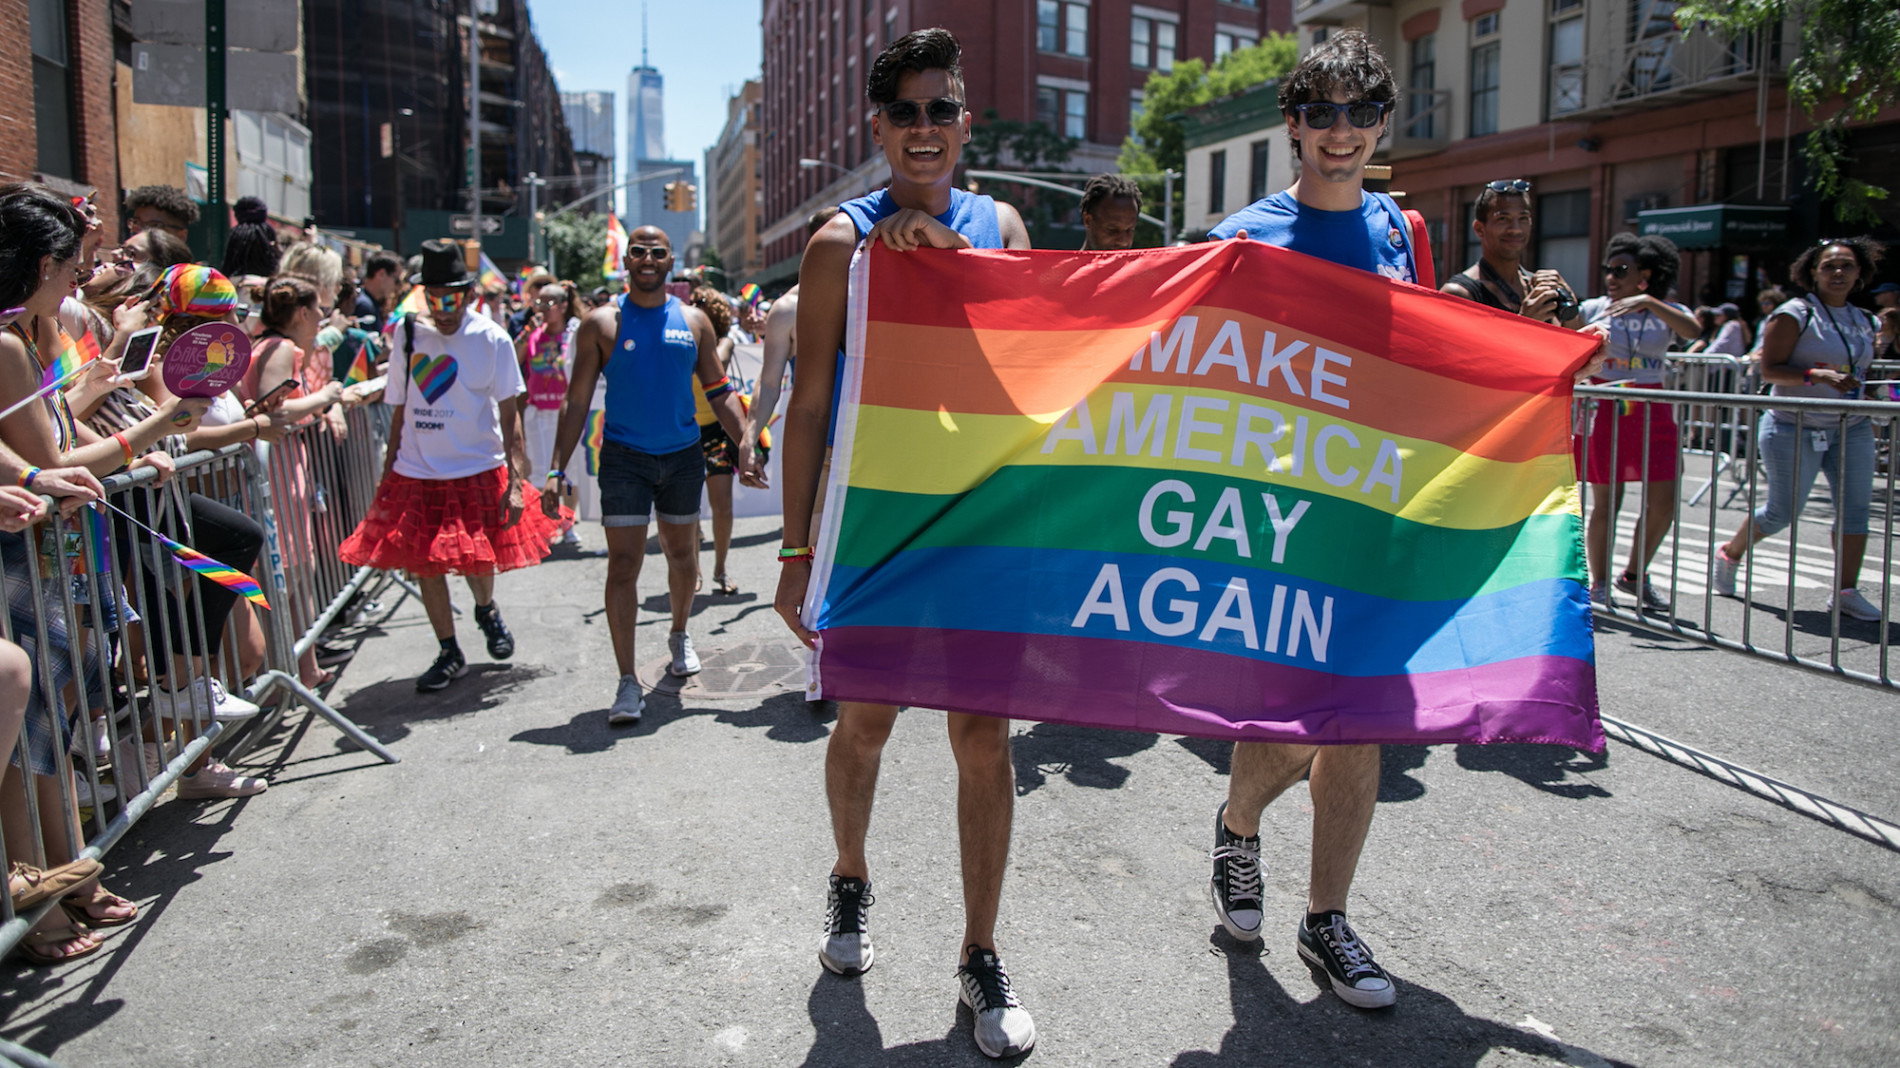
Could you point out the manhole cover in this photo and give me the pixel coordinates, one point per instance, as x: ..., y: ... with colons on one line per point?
x: 749, y: 669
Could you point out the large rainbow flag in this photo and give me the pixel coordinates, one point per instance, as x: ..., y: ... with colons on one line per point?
x: 1227, y: 490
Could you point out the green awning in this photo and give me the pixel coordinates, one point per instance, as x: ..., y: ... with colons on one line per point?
x: 1731, y: 226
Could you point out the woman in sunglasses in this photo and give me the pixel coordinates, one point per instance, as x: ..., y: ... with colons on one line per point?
x: 545, y: 348
x: 1629, y: 441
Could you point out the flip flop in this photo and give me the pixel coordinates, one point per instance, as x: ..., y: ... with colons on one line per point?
x: 34, y: 948
x: 80, y: 911
x: 723, y: 586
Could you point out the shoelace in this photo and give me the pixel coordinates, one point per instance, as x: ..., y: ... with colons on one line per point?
x: 984, y: 975
x: 847, y: 906
x: 1344, y: 943
x: 1243, y: 870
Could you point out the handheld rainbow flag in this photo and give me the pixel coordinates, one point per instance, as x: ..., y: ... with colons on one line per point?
x: 610, y: 263
x: 596, y: 433
x: 490, y: 276
x: 414, y: 302
x: 72, y: 356
x: 229, y: 577
x: 750, y: 295
x: 1171, y: 491
x: 363, y: 367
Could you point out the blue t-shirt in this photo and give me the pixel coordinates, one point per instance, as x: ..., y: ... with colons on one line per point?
x: 971, y: 215
x: 649, y: 376
x: 1375, y: 238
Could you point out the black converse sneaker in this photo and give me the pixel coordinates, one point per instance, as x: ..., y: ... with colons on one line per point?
x: 1236, y: 884
x: 1329, y: 944
x: 448, y: 667
x: 1003, y: 1026
x: 501, y: 644
x: 846, y: 947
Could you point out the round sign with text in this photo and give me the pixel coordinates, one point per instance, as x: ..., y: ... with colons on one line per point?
x: 207, y: 360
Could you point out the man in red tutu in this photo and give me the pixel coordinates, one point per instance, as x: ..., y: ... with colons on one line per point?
x: 452, y: 500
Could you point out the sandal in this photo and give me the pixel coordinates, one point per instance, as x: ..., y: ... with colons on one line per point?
x: 38, y: 945
x: 29, y: 886
x: 81, y: 908
x: 723, y: 586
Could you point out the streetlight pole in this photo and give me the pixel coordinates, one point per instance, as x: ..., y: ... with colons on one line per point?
x: 475, y: 120
x: 808, y: 164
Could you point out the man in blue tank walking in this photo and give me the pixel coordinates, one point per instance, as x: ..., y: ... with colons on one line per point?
x: 922, y: 122
x: 651, y: 347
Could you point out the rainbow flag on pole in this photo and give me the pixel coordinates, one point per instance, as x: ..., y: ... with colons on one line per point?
x: 490, y: 276
x: 230, y: 578
x: 610, y: 263
x: 1228, y: 491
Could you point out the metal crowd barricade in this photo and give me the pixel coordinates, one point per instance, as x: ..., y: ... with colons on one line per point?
x: 1795, y: 568
x: 95, y: 600
x: 1704, y: 430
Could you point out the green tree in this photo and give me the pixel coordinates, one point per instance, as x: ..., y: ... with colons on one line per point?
x: 1158, y: 141
x: 576, y: 245
x: 1849, y: 57
x: 1010, y: 145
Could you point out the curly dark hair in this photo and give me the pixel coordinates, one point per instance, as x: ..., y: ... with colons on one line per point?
x: 1108, y: 187
x: 919, y: 50
x: 716, y: 307
x: 1348, y: 61
x: 1657, y: 255
x: 167, y: 198
x: 1867, y: 253
x: 251, y: 247
x: 37, y: 223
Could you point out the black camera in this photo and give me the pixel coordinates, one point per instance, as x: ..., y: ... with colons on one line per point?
x: 1566, y: 307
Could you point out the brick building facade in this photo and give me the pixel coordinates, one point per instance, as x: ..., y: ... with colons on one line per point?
x: 56, y: 99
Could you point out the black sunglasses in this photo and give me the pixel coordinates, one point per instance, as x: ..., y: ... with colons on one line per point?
x: 941, y: 112
x: 1363, y: 114
x: 1514, y: 185
x: 648, y: 252
x: 1616, y: 270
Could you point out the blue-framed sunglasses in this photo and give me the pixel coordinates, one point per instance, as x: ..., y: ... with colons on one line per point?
x: 1363, y: 114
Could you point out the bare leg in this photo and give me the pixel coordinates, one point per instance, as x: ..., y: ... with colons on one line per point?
x: 680, y: 543
x: 435, y: 601
x: 1261, y: 772
x: 719, y: 495
x: 1658, y: 516
x: 1345, y: 790
x: 986, y: 799
x: 1605, y: 499
x: 483, y: 588
x: 626, y: 550
x: 852, y: 757
x: 1744, y: 540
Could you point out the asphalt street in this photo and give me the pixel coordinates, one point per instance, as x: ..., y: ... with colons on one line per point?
x: 530, y: 887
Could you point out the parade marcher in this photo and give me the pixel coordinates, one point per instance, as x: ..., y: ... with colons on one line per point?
x: 650, y: 346
x: 1502, y: 222
x: 922, y: 122
x: 546, y: 350
x: 722, y: 454
x: 1111, y: 206
x: 453, y: 499
x: 778, y: 360
x: 1630, y: 441
x: 1818, y: 345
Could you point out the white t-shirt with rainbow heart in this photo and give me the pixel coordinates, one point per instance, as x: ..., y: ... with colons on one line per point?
x: 451, y: 425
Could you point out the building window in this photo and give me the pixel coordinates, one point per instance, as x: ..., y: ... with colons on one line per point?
x: 1484, y: 74
x: 1424, y: 78
x: 1048, y: 25
x: 1152, y: 43
x: 1137, y: 103
x: 1226, y: 41
x: 1075, y: 115
x: 1563, y: 237
x: 1075, y: 38
x: 1048, y: 106
x: 1566, y: 56
x: 52, y: 88
x: 1062, y: 27
x: 1217, y: 181
x: 1261, y: 155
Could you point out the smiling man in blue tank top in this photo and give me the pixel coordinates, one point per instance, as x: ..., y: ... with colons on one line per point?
x: 922, y: 123
x: 651, y: 347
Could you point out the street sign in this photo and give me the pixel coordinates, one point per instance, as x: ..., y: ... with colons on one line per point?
x: 465, y: 224
x: 174, y: 75
x: 255, y: 25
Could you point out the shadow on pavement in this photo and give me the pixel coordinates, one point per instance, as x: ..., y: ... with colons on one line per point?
x: 848, y: 1035
x: 1546, y: 767
x: 1272, y: 1027
x: 1396, y: 763
x: 385, y: 710
x: 1080, y: 754
x: 785, y: 716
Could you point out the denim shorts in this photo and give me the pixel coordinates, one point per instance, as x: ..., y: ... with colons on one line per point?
x: 634, y: 483
x: 1793, y: 462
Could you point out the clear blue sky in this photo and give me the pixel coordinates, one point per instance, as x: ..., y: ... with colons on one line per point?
x: 706, y: 49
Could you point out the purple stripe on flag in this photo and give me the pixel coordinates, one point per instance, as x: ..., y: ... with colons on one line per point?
x: 1095, y: 682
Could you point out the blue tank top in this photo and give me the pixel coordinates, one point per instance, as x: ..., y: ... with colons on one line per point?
x: 649, y: 376
x: 1375, y: 238
x: 971, y: 215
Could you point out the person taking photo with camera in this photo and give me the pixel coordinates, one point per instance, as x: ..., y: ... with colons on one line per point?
x: 1502, y: 223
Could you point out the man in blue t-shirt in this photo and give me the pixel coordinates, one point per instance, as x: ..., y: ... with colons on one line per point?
x: 922, y: 123
x: 1336, y: 103
x: 650, y: 347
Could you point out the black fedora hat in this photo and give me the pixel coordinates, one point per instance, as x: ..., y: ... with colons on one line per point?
x: 442, y: 266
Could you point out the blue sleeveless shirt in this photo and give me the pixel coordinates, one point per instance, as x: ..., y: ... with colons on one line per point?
x: 649, y: 376
x: 971, y: 215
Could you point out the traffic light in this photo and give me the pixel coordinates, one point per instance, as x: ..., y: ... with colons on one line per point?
x: 681, y: 197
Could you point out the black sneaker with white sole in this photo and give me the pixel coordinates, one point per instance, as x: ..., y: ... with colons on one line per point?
x: 846, y: 948
x: 1331, y: 945
x: 1236, y: 884
x: 1003, y: 1027
x: 501, y: 644
x: 449, y: 666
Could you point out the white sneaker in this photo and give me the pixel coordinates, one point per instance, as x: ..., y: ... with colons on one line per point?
x: 208, y: 696
x: 1854, y: 606
x: 685, y: 661
x: 216, y: 780
x: 83, y: 792
x: 572, y: 539
x: 1003, y: 1027
x: 628, y: 703
x: 1724, y: 576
